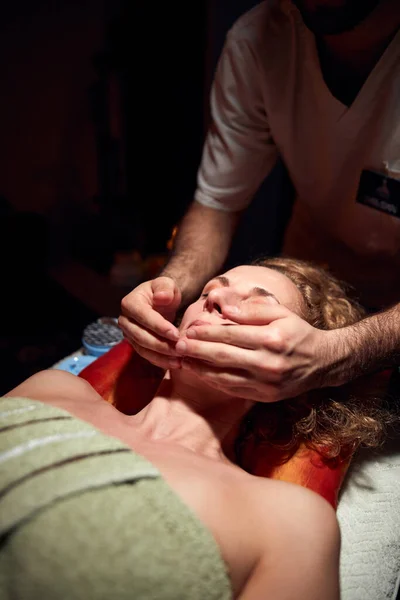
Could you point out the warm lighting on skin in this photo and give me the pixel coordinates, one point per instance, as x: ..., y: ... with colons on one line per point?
x: 170, y: 243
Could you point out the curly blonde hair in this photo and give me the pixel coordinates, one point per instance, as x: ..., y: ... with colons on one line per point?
x: 332, y: 421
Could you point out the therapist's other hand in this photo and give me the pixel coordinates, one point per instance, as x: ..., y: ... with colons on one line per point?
x: 146, y: 321
x: 268, y: 355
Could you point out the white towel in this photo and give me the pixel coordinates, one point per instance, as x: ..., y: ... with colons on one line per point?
x: 369, y: 517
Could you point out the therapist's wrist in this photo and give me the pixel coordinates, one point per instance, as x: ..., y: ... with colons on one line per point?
x: 338, y: 357
x: 368, y: 346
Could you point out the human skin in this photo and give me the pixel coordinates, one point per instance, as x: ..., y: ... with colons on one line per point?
x: 305, y: 357
x: 263, y: 527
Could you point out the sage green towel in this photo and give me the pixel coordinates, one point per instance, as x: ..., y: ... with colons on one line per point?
x: 84, y: 517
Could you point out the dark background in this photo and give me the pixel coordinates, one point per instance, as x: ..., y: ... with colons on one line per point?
x: 103, y: 112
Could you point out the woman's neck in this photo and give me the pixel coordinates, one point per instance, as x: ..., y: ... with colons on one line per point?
x: 187, y: 413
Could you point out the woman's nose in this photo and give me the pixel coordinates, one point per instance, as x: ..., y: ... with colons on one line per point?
x: 217, y: 299
x: 215, y: 306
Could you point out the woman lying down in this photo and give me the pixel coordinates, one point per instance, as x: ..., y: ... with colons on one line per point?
x: 97, y: 504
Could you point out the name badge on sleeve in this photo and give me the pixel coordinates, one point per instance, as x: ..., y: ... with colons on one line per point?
x: 379, y: 191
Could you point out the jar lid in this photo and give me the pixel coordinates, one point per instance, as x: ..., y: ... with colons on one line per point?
x: 101, y: 336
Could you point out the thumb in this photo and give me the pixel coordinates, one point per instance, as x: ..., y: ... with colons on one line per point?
x: 164, y: 290
x: 166, y: 296
x: 255, y: 313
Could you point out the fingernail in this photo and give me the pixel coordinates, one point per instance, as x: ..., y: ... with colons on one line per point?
x: 172, y: 334
x: 181, y: 347
x: 191, y: 333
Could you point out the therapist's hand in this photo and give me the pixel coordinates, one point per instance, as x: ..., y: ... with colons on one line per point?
x: 146, y: 321
x: 268, y: 355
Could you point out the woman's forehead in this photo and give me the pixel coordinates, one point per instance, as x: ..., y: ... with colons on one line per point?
x: 273, y: 281
x: 259, y: 274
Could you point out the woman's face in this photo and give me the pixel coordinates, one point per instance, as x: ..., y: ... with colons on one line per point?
x: 244, y: 284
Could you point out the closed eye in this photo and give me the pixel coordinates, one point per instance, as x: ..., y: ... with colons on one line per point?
x: 255, y: 292
x: 261, y: 292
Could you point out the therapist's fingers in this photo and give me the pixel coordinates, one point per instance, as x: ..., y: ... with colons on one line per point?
x: 164, y: 290
x: 252, y: 337
x: 254, y: 313
x: 265, y: 365
x: 221, y: 355
x: 237, y: 382
x: 146, y: 339
x: 140, y: 308
x: 166, y: 297
x: 160, y: 360
x: 152, y: 320
x: 145, y: 316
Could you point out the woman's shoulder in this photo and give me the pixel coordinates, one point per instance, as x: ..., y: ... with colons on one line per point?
x: 273, y: 503
x: 264, y: 493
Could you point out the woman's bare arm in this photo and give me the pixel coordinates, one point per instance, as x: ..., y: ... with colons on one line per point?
x: 299, y: 542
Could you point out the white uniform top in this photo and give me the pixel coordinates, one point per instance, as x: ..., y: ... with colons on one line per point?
x: 268, y: 98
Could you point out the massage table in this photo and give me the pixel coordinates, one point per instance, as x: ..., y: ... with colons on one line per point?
x: 366, y: 494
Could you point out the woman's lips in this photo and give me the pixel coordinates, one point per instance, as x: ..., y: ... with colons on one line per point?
x: 198, y: 323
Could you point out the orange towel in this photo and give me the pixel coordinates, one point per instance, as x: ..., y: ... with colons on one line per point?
x: 127, y: 381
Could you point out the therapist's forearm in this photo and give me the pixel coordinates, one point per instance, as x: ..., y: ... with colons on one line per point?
x: 367, y: 346
x: 201, y: 247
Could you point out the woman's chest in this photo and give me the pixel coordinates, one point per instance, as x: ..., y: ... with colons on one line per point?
x: 216, y: 493
x: 214, y: 490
